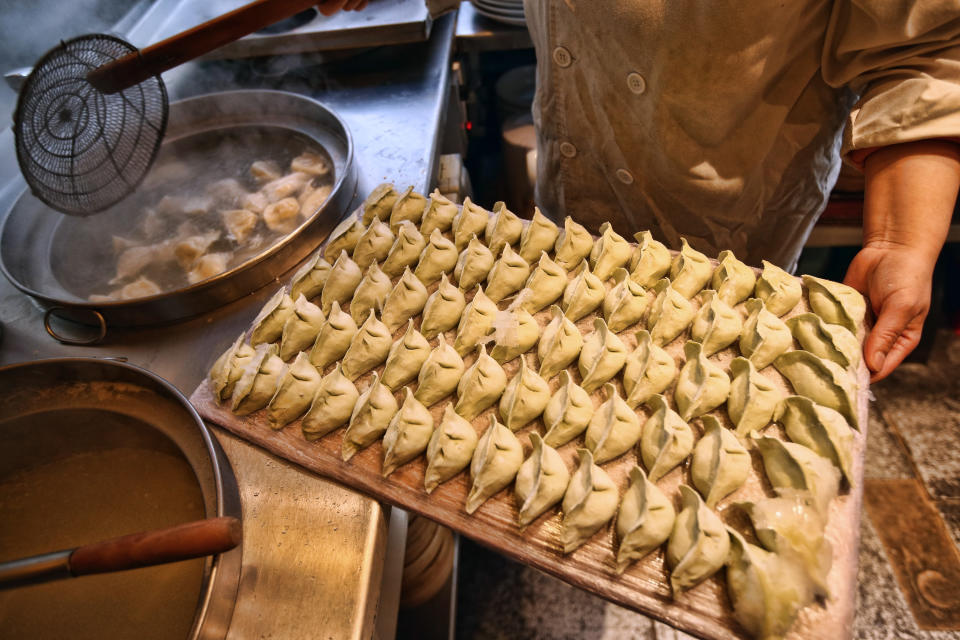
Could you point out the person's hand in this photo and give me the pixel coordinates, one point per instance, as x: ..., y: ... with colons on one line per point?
x: 330, y: 7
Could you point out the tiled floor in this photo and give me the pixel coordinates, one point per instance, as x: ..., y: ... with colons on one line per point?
x: 913, y: 446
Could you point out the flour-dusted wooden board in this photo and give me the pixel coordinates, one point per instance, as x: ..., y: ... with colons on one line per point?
x: 703, y: 611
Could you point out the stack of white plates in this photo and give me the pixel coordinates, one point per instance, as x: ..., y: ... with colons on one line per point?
x: 509, y: 11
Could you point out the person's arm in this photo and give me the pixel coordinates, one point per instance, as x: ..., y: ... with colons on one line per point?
x: 909, y: 197
x: 330, y: 7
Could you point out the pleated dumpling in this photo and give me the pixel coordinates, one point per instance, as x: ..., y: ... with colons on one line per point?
x: 438, y: 257
x: 373, y: 412
x: 609, y: 253
x: 588, y: 504
x: 342, y: 281
x: 559, y: 345
x: 650, y: 261
x: 649, y: 370
x: 332, y: 405
x: 371, y: 293
x: 820, y: 429
x: 450, y: 449
x: 301, y: 328
x: 228, y: 368
x: 614, y: 428
x: 836, y: 303
x: 644, y: 521
x: 670, y: 314
x: 443, y: 309
x: 407, y: 435
x: 753, y: 398
x: 368, y: 349
x: 831, y: 341
x: 503, y: 228
x: 334, y: 337
x: 379, y: 203
x: 568, y: 412
x: 626, y: 303
x: 294, y: 392
x: 545, y: 285
x: 405, y: 300
x: 440, y: 374
x: 765, y: 336
x: 702, y: 386
x: 733, y: 281
x: 405, y: 251
x: 574, y: 243
x: 666, y: 441
x: 495, y: 463
x: 507, y: 275
x: 476, y: 323
x: 515, y: 332
x: 541, y: 481
x: 409, y: 207
x: 481, y: 386
x: 309, y: 279
x: 538, y: 236
x: 405, y: 359
x: 698, y: 544
x: 583, y: 294
x: 438, y: 214
x: 343, y: 238
x: 373, y: 245
x: 720, y: 464
x: 259, y: 380
x: 690, y: 270
x: 793, y: 466
x: 602, y: 356
x: 471, y: 221
x: 524, y: 398
x: 716, y: 324
x: 473, y: 265
x: 268, y: 325
x: 824, y: 382
x: 779, y: 290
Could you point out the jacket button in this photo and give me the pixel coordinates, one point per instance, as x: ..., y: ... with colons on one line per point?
x: 624, y: 176
x: 636, y: 83
x: 562, y: 57
x: 567, y: 150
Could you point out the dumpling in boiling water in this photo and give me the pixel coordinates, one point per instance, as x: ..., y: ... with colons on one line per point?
x: 342, y: 281
x: 753, y: 398
x: 649, y: 370
x: 404, y: 301
x: 368, y: 348
x: 405, y: 251
x: 507, y: 276
x: 438, y: 257
x: 545, y: 285
x: 476, y: 323
x: 334, y: 337
x: 207, y: 266
x: 282, y: 216
x: 239, y: 223
x: 614, y: 428
x: 268, y: 325
x: 541, y: 481
x: 503, y: 228
x: 720, y: 464
x: 626, y: 303
x: 732, y: 280
x: 443, y: 309
x: 650, y: 261
x: 779, y: 290
x: 473, y: 265
x: 822, y: 381
x: 820, y: 429
x: 408, y: 434
x: 602, y: 356
x: 568, y: 412
x: 836, y: 303
x: 610, y: 252
x: 716, y: 324
x: 690, y: 271
x: 301, y: 328
x: 405, y: 359
x: 574, y: 243
x: 495, y: 464
x: 309, y: 279
x: 644, y: 521
x: 670, y: 314
x: 471, y: 221
x: 525, y: 397
x: 831, y: 341
x: 764, y: 336
x: 332, y: 405
x: 379, y: 204
x: 439, y: 213
x: 440, y: 374
x: 371, y: 293
x: 375, y: 407
x: 264, y: 170
x: 702, y: 386
x: 515, y: 332
x: 409, y: 206
x: 538, y: 236
x: 284, y: 187
x: 698, y: 545
x: 588, y: 504
x: 583, y: 294
x: 312, y: 163
x: 374, y: 245
x: 666, y: 441
x: 481, y: 386
x: 450, y: 449
x: 559, y: 345
x: 294, y: 392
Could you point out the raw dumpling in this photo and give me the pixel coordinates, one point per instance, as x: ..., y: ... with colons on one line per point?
x: 371, y: 293
x: 831, y: 341
x: 404, y: 301
x: 610, y: 252
x: 294, y: 392
x: 702, y: 386
x: 515, y: 332
x: 670, y: 314
x: 559, y: 345
x: 344, y: 238
x: 588, y: 504
x: 822, y: 381
x: 368, y: 349
x: 438, y: 257
x: 698, y: 544
x: 343, y: 280
x: 443, y: 309
x: 836, y: 303
x: 259, y: 380
x: 732, y: 280
x: 507, y: 275
x: 568, y: 413
x: 309, y: 279
x: 690, y: 271
x: 821, y: 429
x: 481, y: 386
x: 471, y: 221
x: 439, y: 213
x: 440, y: 374
x: 779, y: 290
x: 644, y: 521
x: 753, y: 398
x: 332, y: 405
x: 405, y: 359
x: 473, y: 265
x: 649, y: 370
x: 450, y: 449
x: 379, y: 203
x: 503, y: 228
x: 793, y: 466
x: 538, y: 236
x: 373, y: 245
x: 764, y: 336
x: 602, y: 356
x: 524, y: 398
x: 372, y: 414
x: 716, y: 324
x: 544, y: 286
x: 268, y: 325
x: 408, y: 207
x: 650, y: 260
x: 574, y: 244
x: 334, y: 338
x: 476, y: 323
x: 541, y: 481
x: 495, y: 463
x: 583, y: 294
x: 626, y: 303
x: 301, y: 328
x: 614, y: 428
x: 720, y: 464
x: 228, y: 368
x: 405, y: 251
x: 666, y: 441
x: 408, y: 434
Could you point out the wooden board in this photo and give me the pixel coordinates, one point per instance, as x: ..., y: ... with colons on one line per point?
x: 704, y: 611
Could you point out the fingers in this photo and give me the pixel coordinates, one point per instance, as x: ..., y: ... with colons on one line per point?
x: 330, y: 7
x: 896, y: 333
x: 355, y: 5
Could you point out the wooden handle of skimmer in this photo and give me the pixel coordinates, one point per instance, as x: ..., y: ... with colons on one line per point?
x: 182, y: 542
x: 136, y: 67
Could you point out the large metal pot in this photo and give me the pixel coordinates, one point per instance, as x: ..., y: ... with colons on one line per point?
x: 91, y: 449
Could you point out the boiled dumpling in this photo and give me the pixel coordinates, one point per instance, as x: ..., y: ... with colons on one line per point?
x: 568, y: 412
x: 544, y: 286
x: 268, y: 325
x: 476, y: 323
x: 698, y: 544
x: 822, y: 381
x: 239, y: 223
x: 720, y: 464
x: 690, y: 271
x: 368, y: 349
x: 405, y: 251
x: 666, y: 441
x: 334, y: 338
x: 515, y: 332
x: 670, y: 314
x: 538, y: 236
x: 649, y: 370
x: 610, y: 252
x: 503, y: 228
x: 820, y: 429
x: 626, y: 303
x: 440, y: 374
x: 481, y: 386
x: 407, y: 435
x: 753, y: 398
x: 450, y: 449
x: 371, y: 293
x: 471, y: 221
x: 495, y: 464
x: 473, y: 265
x: 259, y: 380
x: 439, y: 213
x: 507, y: 275
x: 408, y: 207
x: 583, y: 294
x: 281, y: 216
x: 541, y: 481
x: 405, y: 359
x: 344, y: 277
x: 332, y: 405
x: 644, y: 521
x: 588, y: 504
x: 764, y: 336
x: 702, y: 386
x: 831, y: 341
x: 301, y: 328
x: 716, y: 324
x: 732, y: 280
x: 438, y: 257
x: 309, y: 279
x: 836, y: 303
x: 779, y: 290
x: 443, y: 309
x: 228, y: 368
x: 344, y: 238
x: 559, y: 345
x: 524, y: 398
x: 650, y: 260
x: 405, y: 300
x: 794, y: 466
x: 614, y: 428
x: 375, y: 407
x: 574, y: 244
x: 312, y: 163
x: 379, y: 203
x: 602, y: 356
x: 373, y: 245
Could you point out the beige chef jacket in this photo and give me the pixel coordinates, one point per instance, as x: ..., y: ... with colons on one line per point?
x: 725, y: 121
